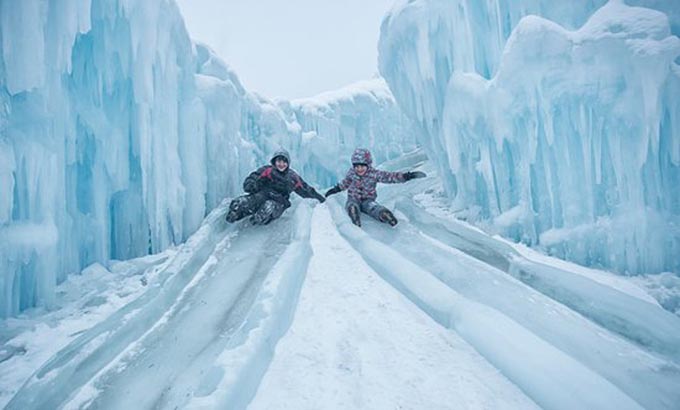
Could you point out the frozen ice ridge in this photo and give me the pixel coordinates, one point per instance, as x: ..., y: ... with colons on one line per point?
x: 559, y: 131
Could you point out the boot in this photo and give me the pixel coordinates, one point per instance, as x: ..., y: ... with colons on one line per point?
x: 388, y: 217
x: 234, y: 213
x: 232, y: 216
x: 353, y: 211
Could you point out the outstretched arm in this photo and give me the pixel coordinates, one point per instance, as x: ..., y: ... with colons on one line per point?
x: 305, y: 190
x: 388, y: 177
x: 342, y: 185
x: 396, y: 177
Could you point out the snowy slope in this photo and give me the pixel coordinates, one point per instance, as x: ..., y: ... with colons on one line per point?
x: 358, y: 343
x: 312, y: 312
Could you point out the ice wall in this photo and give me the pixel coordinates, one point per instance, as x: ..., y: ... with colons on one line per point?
x: 422, y: 42
x: 118, y: 135
x: 96, y: 97
x: 567, y: 139
x: 333, y: 124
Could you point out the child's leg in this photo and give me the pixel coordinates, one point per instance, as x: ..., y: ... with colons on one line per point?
x: 243, y: 206
x: 378, y: 212
x: 353, y: 207
x: 269, y: 211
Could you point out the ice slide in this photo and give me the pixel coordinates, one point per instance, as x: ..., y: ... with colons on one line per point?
x: 313, y: 312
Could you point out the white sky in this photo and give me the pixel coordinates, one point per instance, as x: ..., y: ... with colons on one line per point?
x: 291, y: 48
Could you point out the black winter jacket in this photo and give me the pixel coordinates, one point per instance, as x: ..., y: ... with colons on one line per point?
x: 278, y: 185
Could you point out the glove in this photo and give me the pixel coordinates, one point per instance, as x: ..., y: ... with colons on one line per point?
x: 319, y: 197
x: 251, y: 186
x: 413, y: 174
x: 333, y: 191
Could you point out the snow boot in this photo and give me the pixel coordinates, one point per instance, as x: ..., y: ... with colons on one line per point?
x: 388, y: 217
x: 235, y: 208
x: 353, y: 211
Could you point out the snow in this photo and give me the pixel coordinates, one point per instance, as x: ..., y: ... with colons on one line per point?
x: 246, y: 359
x: 551, y: 125
x: 616, y: 305
x: 550, y: 130
x: 312, y: 312
x: 664, y: 287
x: 76, y: 359
x: 357, y: 343
x: 525, y: 359
x: 84, y: 300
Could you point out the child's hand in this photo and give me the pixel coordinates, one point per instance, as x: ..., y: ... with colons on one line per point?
x: 251, y: 186
x: 333, y: 191
x: 413, y: 174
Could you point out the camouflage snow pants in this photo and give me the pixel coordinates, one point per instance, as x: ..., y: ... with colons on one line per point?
x: 370, y: 207
x: 259, y: 206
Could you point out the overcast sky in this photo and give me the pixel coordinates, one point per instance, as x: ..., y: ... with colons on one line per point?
x: 291, y: 48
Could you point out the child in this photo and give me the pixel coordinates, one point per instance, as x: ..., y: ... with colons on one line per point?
x: 268, y: 189
x: 360, y: 183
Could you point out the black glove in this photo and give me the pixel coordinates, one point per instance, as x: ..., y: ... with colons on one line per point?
x: 413, y: 174
x: 251, y: 186
x: 333, y: 191
x: 319, y: 197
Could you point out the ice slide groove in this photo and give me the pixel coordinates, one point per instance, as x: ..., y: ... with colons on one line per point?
x: 83, y: 357
x: 247, y: 357
x: 626, y: 315
x: 650, y: 379
x: 527, y: 360
x: 159, y: 369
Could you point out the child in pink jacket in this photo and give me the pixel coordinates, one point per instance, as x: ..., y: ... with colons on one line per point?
x: 360, y: 183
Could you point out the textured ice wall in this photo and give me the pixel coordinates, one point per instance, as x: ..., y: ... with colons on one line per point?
x: 422, y: 42
x: 572, y: 144
x: 322, y: 131
x: 363, y: 114
x: 117, y: 136
x: 91, y: 126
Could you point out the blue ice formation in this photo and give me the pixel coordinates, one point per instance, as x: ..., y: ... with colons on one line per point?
x: 118, y: 134
x: 560, y: 131
x: 333, y: 124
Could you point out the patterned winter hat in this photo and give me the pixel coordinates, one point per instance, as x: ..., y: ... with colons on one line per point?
x: 362, y: 156
x: 280, y: 153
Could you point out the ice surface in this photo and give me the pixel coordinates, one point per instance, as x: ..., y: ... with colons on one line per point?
x: 560, y: 139
x: 220, y: 322
x: 516, y: 352
x: 118, y: 136
x: 358, y: 343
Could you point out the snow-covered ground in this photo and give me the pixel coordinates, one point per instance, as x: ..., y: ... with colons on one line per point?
x: 312, y: 312
x: 356, y: 342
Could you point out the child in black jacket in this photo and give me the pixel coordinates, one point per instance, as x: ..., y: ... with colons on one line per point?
x: 268, y: 191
